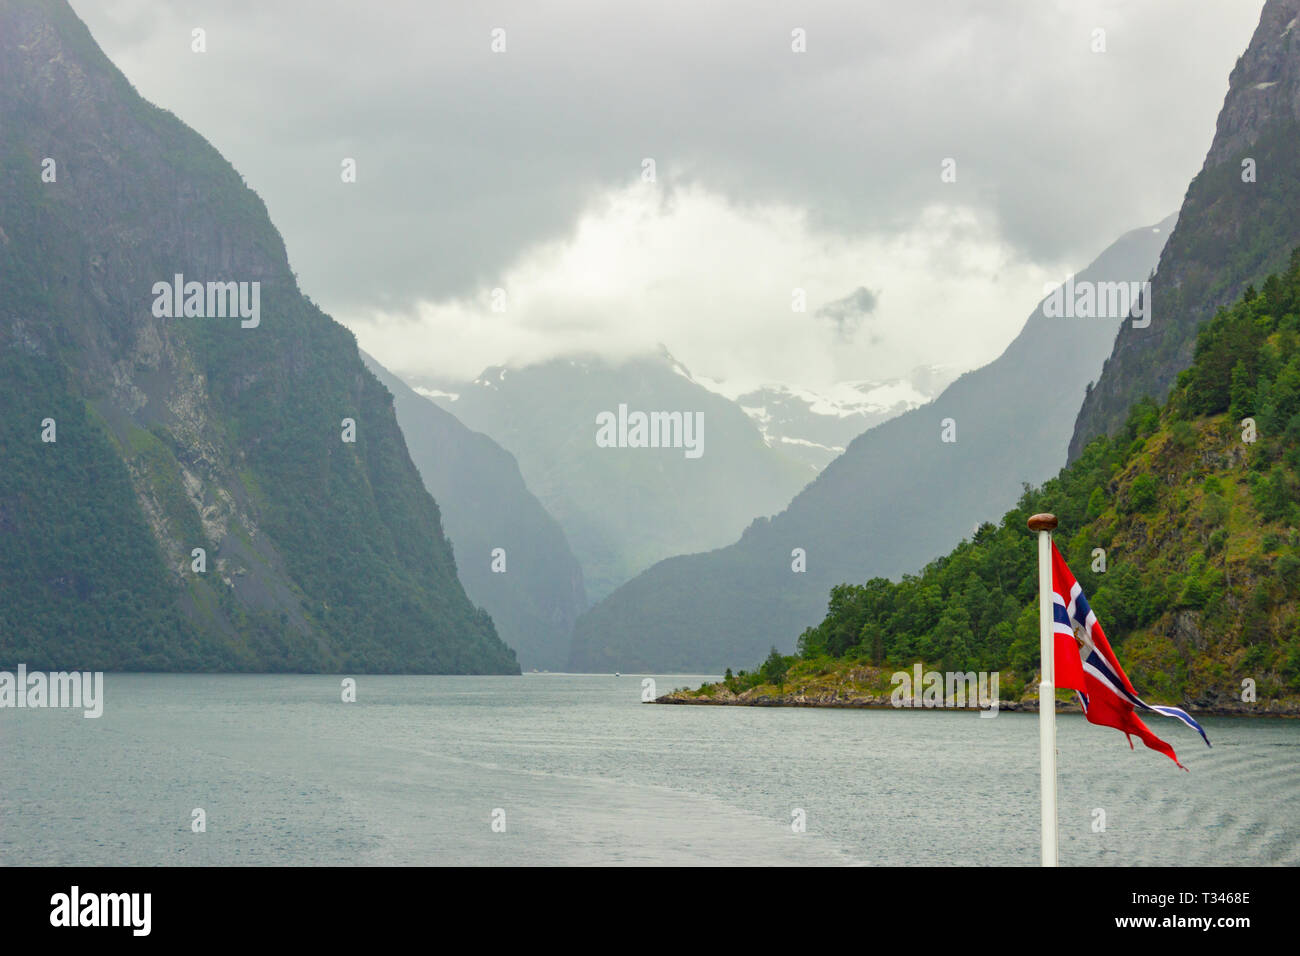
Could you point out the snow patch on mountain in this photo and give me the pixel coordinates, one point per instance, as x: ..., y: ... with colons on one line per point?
x: 436, y: 393
x: 816, y: 425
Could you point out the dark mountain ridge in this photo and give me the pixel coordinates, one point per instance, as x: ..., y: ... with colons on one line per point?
x: 172, y: 435
x: 1237, y: 225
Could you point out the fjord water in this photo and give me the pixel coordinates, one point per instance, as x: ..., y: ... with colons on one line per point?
x: 585, y: 773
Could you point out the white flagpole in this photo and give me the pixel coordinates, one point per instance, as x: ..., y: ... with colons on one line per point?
x: 1043, y: 524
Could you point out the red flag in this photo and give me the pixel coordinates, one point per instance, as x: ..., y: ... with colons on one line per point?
x: 1085, y: 663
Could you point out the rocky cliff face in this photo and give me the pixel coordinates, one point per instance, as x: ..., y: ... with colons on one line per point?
x: 222, y: 431
x: 1238, y: 223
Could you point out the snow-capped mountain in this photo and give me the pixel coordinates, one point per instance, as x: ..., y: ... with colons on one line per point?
x: 816, y: 426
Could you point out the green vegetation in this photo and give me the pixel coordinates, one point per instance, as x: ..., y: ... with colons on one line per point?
x: 360, y: 537
x: 815, y: 678
x: 1199, y: 584
x: 81, y: 577
x: 321, y: 555
x: 1230, y: 234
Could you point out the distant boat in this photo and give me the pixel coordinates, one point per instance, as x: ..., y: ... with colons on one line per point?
x: 617, y: 674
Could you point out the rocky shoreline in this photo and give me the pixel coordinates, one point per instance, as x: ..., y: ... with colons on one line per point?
x: 722, y: 697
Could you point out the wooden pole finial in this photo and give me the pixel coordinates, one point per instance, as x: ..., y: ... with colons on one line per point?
x: 1042, y: 522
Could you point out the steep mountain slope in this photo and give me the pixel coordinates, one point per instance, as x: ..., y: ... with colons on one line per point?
x: 224, y: 434
x: 897, y: 497
x: 624, y: 508
x: 1194, y: 507
x: 537, y: 593
x: 1235, y: 227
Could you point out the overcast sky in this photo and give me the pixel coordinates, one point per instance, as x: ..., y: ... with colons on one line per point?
x: 523, y: 170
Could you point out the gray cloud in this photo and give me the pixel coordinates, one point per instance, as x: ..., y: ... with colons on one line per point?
x: 847, y: 314
x: 469, y: 159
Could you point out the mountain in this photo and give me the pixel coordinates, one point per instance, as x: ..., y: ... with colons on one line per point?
x: 623, y: 507
x: 181, y: 493
x: 1193, y: 512
x: 536, y: 593
x: 1236, y: 225
x: 897, y: 497
x: 815, y: 426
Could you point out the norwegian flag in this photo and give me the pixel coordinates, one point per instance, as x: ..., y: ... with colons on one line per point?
x: 1085, y: 663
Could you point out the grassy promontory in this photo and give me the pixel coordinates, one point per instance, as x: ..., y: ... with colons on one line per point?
x: 830, y: 683
x: 854, y: 685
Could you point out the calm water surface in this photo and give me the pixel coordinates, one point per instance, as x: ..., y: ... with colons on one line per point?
x: 586, y: 774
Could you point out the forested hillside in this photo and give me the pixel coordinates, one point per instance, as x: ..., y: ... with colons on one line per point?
x: 1193, y: 508
x: 198, y: 500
